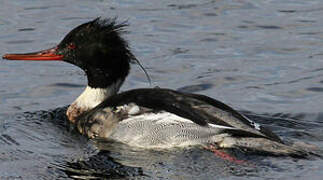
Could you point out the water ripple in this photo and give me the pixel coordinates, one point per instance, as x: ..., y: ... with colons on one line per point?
x: 263, y: 56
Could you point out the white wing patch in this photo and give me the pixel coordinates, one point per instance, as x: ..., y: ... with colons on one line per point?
x: 219, y: 126
x: 131, y: 109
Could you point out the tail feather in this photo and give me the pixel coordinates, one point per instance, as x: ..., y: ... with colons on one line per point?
x: 264, y: 146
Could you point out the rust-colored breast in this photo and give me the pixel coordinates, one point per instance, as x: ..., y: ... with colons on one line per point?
x: 73, y: 112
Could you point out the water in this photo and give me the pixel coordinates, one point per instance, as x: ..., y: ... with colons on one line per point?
x: 263, y: 58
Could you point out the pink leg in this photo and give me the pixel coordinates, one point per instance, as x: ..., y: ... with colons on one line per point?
x: 224, y: 155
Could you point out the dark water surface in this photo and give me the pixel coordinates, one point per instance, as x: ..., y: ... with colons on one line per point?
x: 264, y: 58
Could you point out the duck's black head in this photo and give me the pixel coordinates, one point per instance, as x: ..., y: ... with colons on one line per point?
x: 96, y: 46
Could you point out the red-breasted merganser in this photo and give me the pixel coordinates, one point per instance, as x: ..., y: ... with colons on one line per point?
x: 147, y: 118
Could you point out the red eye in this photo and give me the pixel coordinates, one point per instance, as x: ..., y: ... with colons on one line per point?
x: 71, y: 46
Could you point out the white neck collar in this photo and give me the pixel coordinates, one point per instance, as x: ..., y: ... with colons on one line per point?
x: 91, y: 97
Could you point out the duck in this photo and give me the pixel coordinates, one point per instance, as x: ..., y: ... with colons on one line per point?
x: 150, y: 118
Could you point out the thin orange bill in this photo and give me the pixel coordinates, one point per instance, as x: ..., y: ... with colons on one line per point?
x: 45, y: 55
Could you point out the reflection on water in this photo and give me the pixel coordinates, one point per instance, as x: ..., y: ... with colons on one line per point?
x: 100, y: 165
x: 260, y: 56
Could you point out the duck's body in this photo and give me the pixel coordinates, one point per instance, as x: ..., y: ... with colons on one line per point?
x: 147, y: 118
x: 164, y: 118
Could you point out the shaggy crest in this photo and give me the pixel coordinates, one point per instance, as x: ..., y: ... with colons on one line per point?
x: 103, y: 43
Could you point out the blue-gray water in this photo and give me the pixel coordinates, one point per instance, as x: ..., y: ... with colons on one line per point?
x: 264, y: 58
